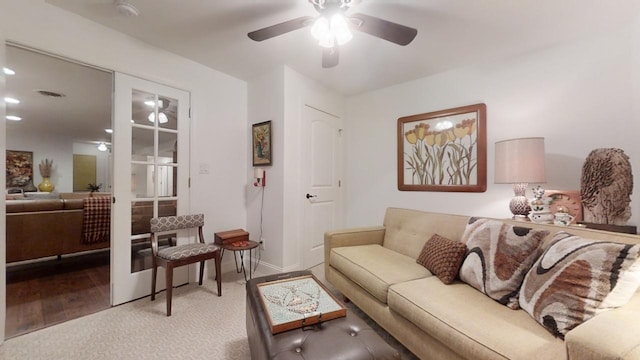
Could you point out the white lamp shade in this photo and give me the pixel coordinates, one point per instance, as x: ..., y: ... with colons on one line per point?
x: 520, y: 161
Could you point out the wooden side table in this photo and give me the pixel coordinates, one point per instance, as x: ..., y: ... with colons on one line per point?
x: 250, y: 245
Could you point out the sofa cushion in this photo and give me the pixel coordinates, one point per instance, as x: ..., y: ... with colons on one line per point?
x: 498, y: 258
x: 375, y: 268
x: 470, y: 323
x: 442, y: 257
x: 15, y: 206
x: 41, y: 195
x: 574, y: 279
x: 406, y: 230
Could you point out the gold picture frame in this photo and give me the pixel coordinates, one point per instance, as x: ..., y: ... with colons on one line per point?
x: 261, y: 143
x: 443, y: 150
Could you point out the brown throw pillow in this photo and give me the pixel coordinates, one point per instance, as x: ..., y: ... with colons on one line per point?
x: 442, y: 257
x: 576, y: 279
x: 499, y: 257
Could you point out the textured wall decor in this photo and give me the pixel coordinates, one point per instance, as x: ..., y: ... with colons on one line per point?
x: 606, y: 187
x: 444, y: 150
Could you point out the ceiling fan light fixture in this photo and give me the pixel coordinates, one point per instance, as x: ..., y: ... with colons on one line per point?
x: 331, y: 32
x: 340, y: 29
x: 162, y: 117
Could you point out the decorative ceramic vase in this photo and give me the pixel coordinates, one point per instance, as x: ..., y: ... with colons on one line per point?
x: 46, y: 185
x: 540, y: 210
x: 563, y: 218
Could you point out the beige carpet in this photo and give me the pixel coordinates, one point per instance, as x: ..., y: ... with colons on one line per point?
x: 202, y: 326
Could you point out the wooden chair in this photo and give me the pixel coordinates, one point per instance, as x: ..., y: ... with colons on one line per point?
x: 175, y: 256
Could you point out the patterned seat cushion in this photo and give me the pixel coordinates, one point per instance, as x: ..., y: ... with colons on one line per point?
x: 169, y: 223
x: 185, y: 251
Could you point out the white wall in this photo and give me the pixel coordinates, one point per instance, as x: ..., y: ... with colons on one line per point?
x: 103, y: 163
x: 266, y: 103
x: 3, y: 233
x: 52, y: 147
x: 579, y: 96
x: 218, y: 100
x: 219, y: 111
x: 280, y: 96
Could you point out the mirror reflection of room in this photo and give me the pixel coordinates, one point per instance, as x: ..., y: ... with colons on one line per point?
x: 58, y: 140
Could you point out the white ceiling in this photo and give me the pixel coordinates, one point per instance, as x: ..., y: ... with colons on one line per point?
x: 451, y: 33
x: 81, y: 114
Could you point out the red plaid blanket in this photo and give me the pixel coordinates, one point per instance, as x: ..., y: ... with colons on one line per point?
x: 96, y: 220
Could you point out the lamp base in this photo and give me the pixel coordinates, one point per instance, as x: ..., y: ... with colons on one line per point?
x: 519, y: 205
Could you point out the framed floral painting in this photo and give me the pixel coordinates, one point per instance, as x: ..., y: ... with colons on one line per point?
x: 19, y: 168
x: 444, y: 150
x: 261, y: 134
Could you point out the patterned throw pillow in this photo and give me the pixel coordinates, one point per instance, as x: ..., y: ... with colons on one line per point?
x: 499, y: 257
x: 577, y: 278
x: 442, y: 257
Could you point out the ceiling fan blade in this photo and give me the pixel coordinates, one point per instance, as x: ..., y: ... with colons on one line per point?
x: 279, y: 29
x: 387, y: 30
x: 329, y: 57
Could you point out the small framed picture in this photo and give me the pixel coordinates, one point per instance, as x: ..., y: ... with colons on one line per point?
x: 261, y: 135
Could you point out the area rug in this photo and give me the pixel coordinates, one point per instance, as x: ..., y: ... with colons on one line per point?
x: 202, y: 326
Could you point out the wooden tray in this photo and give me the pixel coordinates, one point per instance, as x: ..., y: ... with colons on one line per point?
x: 297, y: 302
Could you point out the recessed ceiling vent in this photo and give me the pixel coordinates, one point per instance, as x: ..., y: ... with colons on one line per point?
x: 126, y: 9
x: 51, y: 94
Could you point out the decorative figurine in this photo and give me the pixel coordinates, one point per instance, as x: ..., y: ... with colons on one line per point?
x: 606, y: 186
x: 540, y: 210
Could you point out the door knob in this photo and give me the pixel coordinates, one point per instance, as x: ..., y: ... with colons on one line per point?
x: 309, y: 196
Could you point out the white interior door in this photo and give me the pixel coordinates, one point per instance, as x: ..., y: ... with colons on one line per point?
x: 151, y: 175
x: 321, y: 173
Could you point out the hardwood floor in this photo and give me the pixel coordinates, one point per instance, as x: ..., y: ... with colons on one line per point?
x: 50, y: 292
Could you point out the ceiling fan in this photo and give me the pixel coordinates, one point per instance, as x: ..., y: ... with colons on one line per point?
x: 333, y: 28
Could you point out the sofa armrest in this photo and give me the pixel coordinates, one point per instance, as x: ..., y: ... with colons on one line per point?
x: 610, y: 335
x: 351, y: 237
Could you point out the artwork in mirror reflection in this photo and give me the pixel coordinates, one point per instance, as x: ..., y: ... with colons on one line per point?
x: 19, y: 169
x: 57, y: 98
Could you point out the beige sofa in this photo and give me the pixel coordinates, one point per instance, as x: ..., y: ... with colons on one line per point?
x: 376, y: 269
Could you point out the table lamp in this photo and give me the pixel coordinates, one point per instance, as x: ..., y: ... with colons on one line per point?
x: 520, y: 162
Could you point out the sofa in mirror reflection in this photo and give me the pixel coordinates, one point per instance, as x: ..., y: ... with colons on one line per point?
x: 44, y: 225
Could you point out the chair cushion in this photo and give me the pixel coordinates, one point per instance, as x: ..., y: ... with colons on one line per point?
x: 472, y: 324
x: 185, y: 251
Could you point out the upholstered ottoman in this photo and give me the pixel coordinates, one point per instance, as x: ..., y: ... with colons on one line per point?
x: 343, y: 338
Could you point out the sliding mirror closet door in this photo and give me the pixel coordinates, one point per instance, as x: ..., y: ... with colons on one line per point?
x: 151, y: 152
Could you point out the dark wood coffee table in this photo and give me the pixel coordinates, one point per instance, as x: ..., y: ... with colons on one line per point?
x: 347, y: 337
